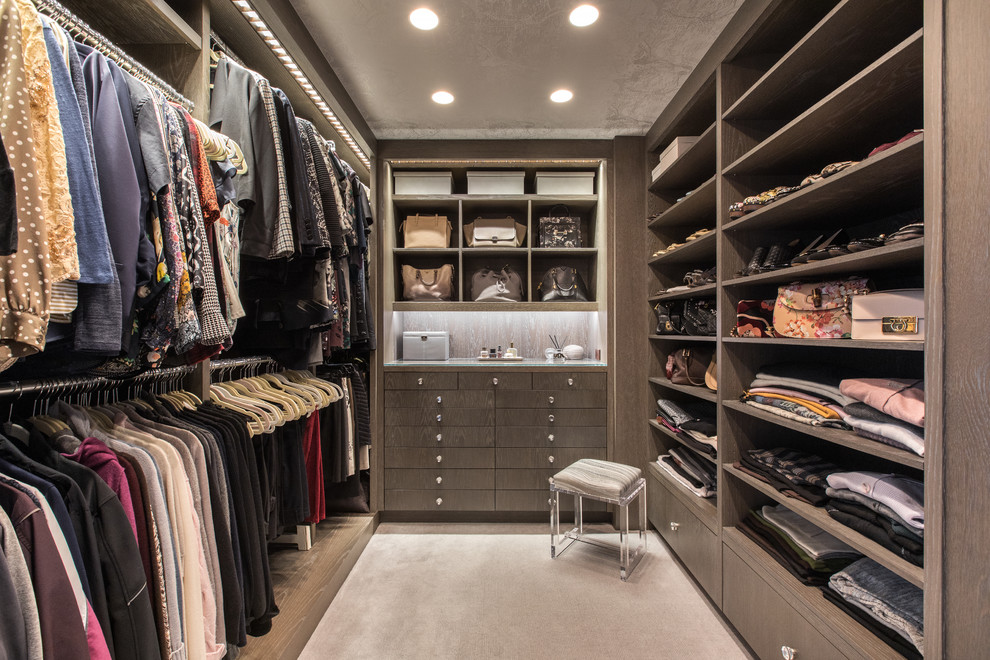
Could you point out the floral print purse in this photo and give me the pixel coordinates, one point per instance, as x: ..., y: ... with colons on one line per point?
x: 819, y: 310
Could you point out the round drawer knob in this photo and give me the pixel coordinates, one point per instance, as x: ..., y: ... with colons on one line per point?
x: 550, y: 437
x: 439, y: 400
x: 494, y: 381
x: 550, y: 502
x: 439, y: 418
x: 674, y: 526
x: 550, y: 400
x: 439, y: 437
x: 570, y: 382
x: 439, y: 480
x: 787, y: 653
x: 551, y: 459
x: 419, y: 381
x: 439, y: 458
x: 439, y: 501
x: 550, y: 418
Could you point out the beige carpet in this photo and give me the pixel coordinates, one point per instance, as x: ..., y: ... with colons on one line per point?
x: 449, y: 591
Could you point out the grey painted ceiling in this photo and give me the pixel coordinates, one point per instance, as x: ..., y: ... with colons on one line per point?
x: 502, y: 58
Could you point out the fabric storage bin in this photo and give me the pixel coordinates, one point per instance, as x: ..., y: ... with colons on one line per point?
x: 425, y: 345
x: 897, y: 315
x: 674, y: 150
x: 423, y: 183
x: 495, y: 183
x: 565, y: 183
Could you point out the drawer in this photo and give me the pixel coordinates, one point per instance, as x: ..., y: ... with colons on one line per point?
x: 421, y: 380
x: 764, y: 619
x: 539, y: 500
x: 434, y: 500
x: 439, y: 457
x: 522, y: 479
x: 687, y: 536
x: 501, y: 380
x: 439, y: 399
x: 434, y: 418
x: 439, y: 479
x: 551, y: 399
x: 551, y: 418
x: 576, y: 380
x: 553, y: 458
x: 432, y: 436
x: 540, y: 436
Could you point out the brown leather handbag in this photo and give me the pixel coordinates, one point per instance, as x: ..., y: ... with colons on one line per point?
x: 426, y: 284
x: 687, y: 366
x: 425, y: 231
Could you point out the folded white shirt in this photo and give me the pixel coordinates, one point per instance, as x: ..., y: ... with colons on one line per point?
x: 906, y: 497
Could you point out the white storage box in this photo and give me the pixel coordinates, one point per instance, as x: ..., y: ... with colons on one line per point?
x: 423, y: 183
x: 565, y: 183
x: 426, y: 345
x: 897, y: 315
x: 495, y: 183
x: 673, y: 151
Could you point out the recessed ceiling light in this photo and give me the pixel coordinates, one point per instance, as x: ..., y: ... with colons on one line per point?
x: 443, y: 98
x: 426, y: 19
x: 562, y: 96
x: 584, y: 15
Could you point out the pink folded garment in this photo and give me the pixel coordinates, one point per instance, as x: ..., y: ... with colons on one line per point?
x: 898, y: 397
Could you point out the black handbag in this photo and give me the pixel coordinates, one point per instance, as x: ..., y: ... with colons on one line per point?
x: 560, y: 231
x: 563, y: 283
x: 699, y: 318
x: 670, y: 317
x: 496, y: 285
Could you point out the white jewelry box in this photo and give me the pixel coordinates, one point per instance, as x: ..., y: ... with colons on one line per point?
x: 425, y: 345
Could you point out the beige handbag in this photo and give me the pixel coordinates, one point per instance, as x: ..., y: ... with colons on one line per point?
x: 425, y: 231
x: 897, y: 315
x: 427, y: 283
x: 494, y: 232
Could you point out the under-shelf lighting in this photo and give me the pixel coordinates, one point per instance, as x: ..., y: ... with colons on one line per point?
x: 283, y: 56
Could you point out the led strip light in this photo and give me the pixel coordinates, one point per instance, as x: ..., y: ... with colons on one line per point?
x: 280, y: 52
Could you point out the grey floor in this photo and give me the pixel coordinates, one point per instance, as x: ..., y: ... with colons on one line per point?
x: 492, y: 591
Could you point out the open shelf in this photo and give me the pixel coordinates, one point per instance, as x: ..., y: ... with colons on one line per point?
x: 705, y: 291
x: 137, y: 22
x: 674, y: 436
x: 697, y: 208
x: 700, y: 250
x: 835, y: 436
x: 695, y: 166
x: 684, y: 338
x: 913, y: 574
x: 470, y: 306
x: 852, y: 632
x: 700, y: 392
x: 889, y: 256
x: 858, y: 344
x: 705, y: 508
x: 850, y: 115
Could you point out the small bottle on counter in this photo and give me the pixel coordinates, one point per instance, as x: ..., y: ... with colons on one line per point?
x: 498, y: 353
x: 512, y: 352
x: 484, y: 352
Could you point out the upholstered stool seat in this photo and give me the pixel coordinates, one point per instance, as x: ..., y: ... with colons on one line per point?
x: 603, y: 481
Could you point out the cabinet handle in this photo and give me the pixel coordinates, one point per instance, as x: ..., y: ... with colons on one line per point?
x: 439, y: 400
x: 439, y: 458
x: 494, y: 381
x: 550, y: 502
x: 551, y: 459
x: 788, y: 653
x: 570, y: 382
x: 674, y: 526
x: 550, y: 437
x: 550, y: 400
x: 550, y: 418
x: 439, y: 437
x: 439, y: 480
x: 439, y: 418
x: 419, y: 381
x: 439, y: 501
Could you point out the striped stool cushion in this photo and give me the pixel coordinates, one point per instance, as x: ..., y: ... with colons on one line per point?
x: 594, y: 478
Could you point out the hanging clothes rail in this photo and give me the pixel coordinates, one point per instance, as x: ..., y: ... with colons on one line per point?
x: 79, y: 29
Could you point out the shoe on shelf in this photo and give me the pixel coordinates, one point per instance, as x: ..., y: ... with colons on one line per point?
x: 802, y: 256
x: 835, y: 168
x: 754, y: 263
x: 906, y: 233
x: 736, y: 210
x: 779, y: 256
x: 864, y: 244
x: 887, y: 145
x: 823, y: 251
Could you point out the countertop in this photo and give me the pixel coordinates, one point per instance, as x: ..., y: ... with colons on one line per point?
x: 471, y: 363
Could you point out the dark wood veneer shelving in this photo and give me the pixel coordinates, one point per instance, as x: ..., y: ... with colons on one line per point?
x: 676, y: 437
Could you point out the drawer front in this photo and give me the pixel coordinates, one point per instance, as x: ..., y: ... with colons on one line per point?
x: 551, y: 418
x: 544, y: 436
x: 764, y: 618
x: 687, y: 536
x: 442, y: 500
x: 421, y: 380
x: 439, y: 457
x: 502, y: 380
x: 555, y: 458
x: 539, y: 500
x: 439, y: 399
x: 439, y: 479
x: 551, y: 399
x: 433, y: 436
x: 562, y: 380
x: 523, y: 479
x: 435, y: 418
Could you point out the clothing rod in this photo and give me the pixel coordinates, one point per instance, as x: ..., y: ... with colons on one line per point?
x: 232, y: 363
x: 88, y: 383
x: 82, y: 31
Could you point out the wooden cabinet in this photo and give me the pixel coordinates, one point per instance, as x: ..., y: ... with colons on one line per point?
x: 494, y: 433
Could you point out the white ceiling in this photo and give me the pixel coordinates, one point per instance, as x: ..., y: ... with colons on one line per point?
x: 502, y: 58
